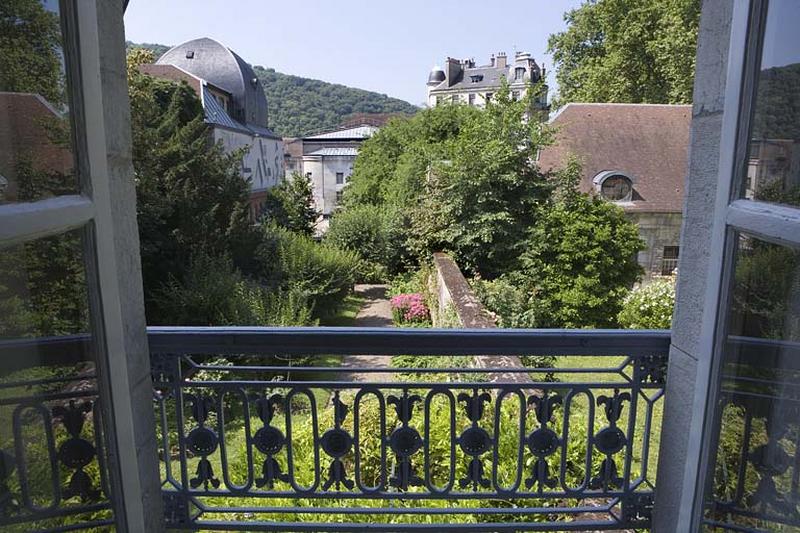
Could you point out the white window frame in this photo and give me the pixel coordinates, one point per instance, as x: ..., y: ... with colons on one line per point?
x: 90, y: 211
x: 775, y: 223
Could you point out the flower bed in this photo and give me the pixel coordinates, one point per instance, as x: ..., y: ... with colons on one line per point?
x: 410, y: 310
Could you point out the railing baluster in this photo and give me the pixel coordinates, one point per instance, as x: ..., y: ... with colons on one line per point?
x: 423, y: 420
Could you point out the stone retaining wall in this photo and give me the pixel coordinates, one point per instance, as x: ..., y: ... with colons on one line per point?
x: 454, y: 293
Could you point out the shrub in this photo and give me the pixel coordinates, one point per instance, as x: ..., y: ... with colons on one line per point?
x: 510, y: 304
x: 649, y: 306
x: 579, y: 263
x: 214, y: 293
x: 409, y: 282
x: 368, y: 231
x: 321, y: 272
x: 410, y: 310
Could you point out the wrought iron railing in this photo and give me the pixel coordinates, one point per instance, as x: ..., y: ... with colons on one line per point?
x: 262, y: 429
x: 52, y: 453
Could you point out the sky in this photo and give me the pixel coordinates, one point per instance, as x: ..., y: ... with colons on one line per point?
x: 378, y: 45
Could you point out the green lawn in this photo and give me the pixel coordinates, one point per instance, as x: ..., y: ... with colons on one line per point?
x: 346, y: 316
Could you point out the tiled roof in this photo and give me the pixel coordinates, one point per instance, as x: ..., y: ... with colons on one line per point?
x: 648, y: 142
x: 359, y: 132
x: 351, y: 152
x: 216, y: 115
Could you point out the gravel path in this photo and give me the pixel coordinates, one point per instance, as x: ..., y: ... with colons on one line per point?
x: 376, y: 312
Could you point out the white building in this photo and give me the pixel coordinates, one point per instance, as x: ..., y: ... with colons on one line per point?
x: 461, y: 81
x: 327, y: 160
x: 235, y: 106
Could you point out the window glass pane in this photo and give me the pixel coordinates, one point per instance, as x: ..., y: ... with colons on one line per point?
x: 35, y: 147
x: 51, y: 445
x: 755, y: 466
x: 772, y: 171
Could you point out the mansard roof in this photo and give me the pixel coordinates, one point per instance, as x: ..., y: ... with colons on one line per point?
x: 215, y: 63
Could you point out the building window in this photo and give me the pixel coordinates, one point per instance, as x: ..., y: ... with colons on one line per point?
x: 454, y: 98
x: 488, y: 96
x: 614, y: 186
x: 339, y: 178
x: 476, y: 78
x: 669, y: 260
x: 519, y: 73
x: 515, y: 95
x: 338, y: 196
x: 472, y: 99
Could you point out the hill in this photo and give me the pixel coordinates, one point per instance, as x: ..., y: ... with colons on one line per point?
x: 299, y: 106
x: 777, y: 106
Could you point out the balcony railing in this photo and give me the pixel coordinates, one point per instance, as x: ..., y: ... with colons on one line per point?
x: 251, y: 441
x: 261, y: 429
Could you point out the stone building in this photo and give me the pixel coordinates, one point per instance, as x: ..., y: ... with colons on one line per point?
x: 634, y: 155
x: 235, y: 106
x: 27, y: 126
x: 327, y: 160
x: 461, y: 81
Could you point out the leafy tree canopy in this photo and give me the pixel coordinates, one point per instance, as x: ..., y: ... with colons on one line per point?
x: 291, y: 205
x: 459, y: 179
x: 190, y: 197
x: 630, y: 51
x: 30, y: 50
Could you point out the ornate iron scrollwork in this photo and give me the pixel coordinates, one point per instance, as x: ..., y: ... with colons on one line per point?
x: 474, y: 441
x: 405, y: 441
x: 543, y: 441
x: 609, y: 441
x: 337, y: 443
x: 76, y: 452
x: 269, y: 440
x: 202, y: 441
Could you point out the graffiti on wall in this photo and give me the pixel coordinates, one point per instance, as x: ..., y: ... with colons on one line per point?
x: 262, y: 163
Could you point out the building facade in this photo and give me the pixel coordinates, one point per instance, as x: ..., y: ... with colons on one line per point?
x: 327, y: 160
x: 461, y: 81
x: 634, y: 155
x: 235, y: 106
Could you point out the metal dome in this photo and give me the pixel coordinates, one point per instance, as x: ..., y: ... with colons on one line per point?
x: 436, y: 76
x: 215, y: 63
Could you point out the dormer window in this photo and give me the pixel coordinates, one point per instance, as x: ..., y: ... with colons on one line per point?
x: 614, y: 186
x: 519, y: 73
x: 476, y: 78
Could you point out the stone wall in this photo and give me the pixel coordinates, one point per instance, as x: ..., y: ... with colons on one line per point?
x: 658, y: 230
x: 454, y: 293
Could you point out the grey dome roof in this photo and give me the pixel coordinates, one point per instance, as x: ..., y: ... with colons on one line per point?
x: 215, y: 63
x: 436, y: 76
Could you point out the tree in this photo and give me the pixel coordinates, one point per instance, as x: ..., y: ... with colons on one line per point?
x: 480, y: 198
x: 291, y: 205
x: 579, y: 260
x: 191, y: 199
x: 30, y: 50
x: 634, y: 51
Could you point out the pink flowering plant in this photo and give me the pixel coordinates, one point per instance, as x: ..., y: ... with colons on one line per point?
x: 410, y: 310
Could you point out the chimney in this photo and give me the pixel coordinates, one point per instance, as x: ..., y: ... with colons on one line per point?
x: 491, y: 60
x: 452, y: 71
x: 502, y: 60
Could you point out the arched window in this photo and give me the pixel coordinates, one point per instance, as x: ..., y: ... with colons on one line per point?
x: 614, y: 186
